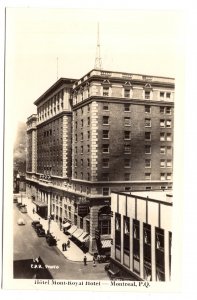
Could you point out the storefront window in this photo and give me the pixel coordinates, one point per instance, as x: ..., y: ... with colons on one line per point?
x: 117, y: 235
x: 136, y: 246
x: 147, y: 251
x: 159, y: 252
x: 126, y: 241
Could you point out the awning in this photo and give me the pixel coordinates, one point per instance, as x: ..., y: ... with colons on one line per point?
x: 72, y: 229
x: 84, y: 237
x: 106, y: 243
x: 66, y: 225
x: 40, y: 203
x: 78, y: 233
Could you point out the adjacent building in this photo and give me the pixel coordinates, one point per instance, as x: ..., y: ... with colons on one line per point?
x: 142, y: 235
x: 106, y: 131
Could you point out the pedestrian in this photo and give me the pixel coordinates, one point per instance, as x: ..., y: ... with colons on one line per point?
x: 85, y: 260
x: 33, y: 211
x: 99, y: 258
x: 94, y: 262
x: 68, y: 244
x: 65, y: 247
x: 62, y: 246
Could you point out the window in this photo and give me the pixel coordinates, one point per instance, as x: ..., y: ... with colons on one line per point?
x: 147, y: 163
x: 126, y: 242
x: 127, y: 121
x: 147, y: 122
x: 168, y: 123
x: 81, y: 136
x: 75, y: 149
x: 81, y: 175
x: 162, y: 163
x: 147, y: 149
x: 126, y: 93
x: 169, y: 137
x: 162, y: 136
x: 105, y: 162
x: 81, y: 149
x: 162, y: 123
x: 81, y: 223
x: 75, y: 137
x: 81, y: 162
x: 136, y: 246
x: 168, y: 110
x: 159, y: 254
x: 106, y: 191
x: 169, y: 150
x: 127, y: 163
x: 127, y: 176
x: 169, y: 176
x: 147, y: 136
x: 168, y: 96
x: 81, y: 123
x: 106, y: 148
x: 105, y: 106
x: 88, y: 135
x: 147, y: 95
x: 127, y: 135
x: 105, y: 134
x: 162, y: 110
x: 105, y: 176
x: 82, y: 110
x: 162, y: 94
x: 105, y: 91
x: 126, y: 107
x: 75, y: 162
x: 105, y: 120
x: 147, y: 109
x: 169, y: 163
x: 162, y: 150
x: 88, y: 148
x: 75, y: 219
x: 88, y: 176
x: 88, y: 162
x: 87, y: 226
x: 162, y: 176
x: 147, y: 176
x: 127, y: 149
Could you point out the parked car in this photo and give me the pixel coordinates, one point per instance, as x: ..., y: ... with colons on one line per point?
x: 19, y: 204
x: 34, y: 223
x: 21, y: 221
x: 40, y: 231
x: 51, y: 241
x: 23, y: 208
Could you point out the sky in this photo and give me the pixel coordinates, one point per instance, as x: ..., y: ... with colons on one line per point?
x: 43, y: 44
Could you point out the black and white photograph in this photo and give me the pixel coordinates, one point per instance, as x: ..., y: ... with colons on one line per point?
x: 90, y: 112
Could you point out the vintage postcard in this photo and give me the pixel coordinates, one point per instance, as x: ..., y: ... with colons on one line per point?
x: 91, y: 184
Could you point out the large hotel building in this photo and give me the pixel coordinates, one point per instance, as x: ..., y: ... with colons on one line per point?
x: 108, y: 131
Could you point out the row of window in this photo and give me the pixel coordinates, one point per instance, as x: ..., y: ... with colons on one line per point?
x: 127, y: 108
x: 127, y: 176
x: 127, y: 163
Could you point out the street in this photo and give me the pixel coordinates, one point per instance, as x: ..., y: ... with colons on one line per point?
x: 28, y: 246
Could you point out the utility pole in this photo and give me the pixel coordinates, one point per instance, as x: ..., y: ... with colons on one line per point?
x: 98, y: 61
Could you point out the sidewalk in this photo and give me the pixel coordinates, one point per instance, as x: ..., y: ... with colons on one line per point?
x: 73, y: 253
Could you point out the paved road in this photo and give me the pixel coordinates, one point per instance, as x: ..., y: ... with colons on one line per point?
x: 28, y: 246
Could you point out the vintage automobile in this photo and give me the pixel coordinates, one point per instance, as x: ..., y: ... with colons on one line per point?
x: 51, y: 241
x: 19, y: 204
x: 23, y: 208
x: 40, y: 230
x: 21, y: 221
x: 34, y: 223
